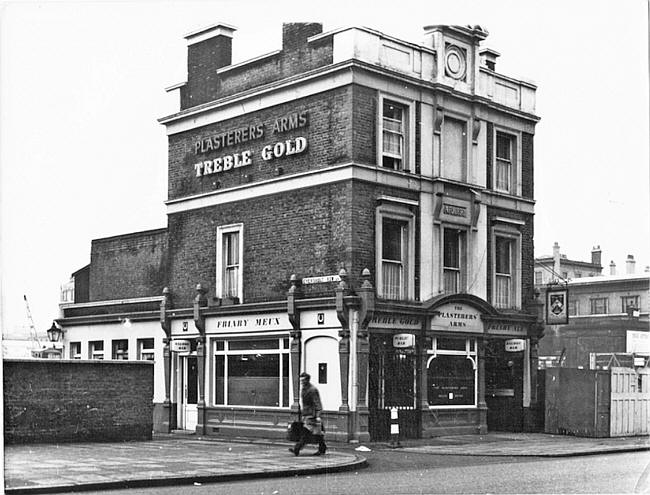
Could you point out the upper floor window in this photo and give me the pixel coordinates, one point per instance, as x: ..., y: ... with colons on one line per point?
x: 96, y: 349
x: 453, y: 260
x: 454, y: 149
x: 120, y: 349
x: 506, y: 282
x: 396, y: 253
x: 538, y: 278
x: 146, y: 349
x: 229, y: 262
x: 506, y: 163
x: 396, y: 130
x: 75, y: 350
x: 598, y: 306
x: 393, y: 129
x: 629, y: 303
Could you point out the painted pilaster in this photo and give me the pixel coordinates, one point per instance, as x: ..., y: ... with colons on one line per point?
x: 343, y: 290
x: 169, y: 416
x: 200, y: 301
x: 294, y: 319
x: 482, y: 405
x: 366, y: 294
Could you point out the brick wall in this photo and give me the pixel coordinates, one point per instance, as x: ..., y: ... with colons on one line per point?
x: 72, y: 401
x: 328, y: 131
x: 311, y: 232
x: 527, y: 171
x: 295, y: 57
x: 131, y: 265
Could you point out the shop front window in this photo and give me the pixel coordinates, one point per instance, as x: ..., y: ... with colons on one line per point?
x: 451, y: 373
x: 252, y: 372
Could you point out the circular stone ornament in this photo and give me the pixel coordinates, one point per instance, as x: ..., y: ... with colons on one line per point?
x: 455, y: 63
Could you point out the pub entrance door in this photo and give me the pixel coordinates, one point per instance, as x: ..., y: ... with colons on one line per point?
x: 504, y: 387
x: 392, y: 384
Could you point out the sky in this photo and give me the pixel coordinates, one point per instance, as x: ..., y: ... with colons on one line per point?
x: 82, y: 85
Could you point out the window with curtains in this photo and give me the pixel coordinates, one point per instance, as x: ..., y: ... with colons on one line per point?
x: 393, y: 259
x: 395, y: 252
x: 252, y: 372
x: 453, y: 260
x: 229, y: 262
x: 454, y: 153
x: 598, y: 306
x: 393, y: 132
x: 120, y: 349
x: 507, y: 162
x: 503, y: 272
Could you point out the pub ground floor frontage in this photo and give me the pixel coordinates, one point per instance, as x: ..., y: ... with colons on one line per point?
x: 451, y: 365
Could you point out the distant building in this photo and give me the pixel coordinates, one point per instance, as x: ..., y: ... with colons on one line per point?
x: 558, y: 267
x: 608, y: 315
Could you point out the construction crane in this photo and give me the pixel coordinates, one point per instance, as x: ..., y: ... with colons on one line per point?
x: 33, y: 336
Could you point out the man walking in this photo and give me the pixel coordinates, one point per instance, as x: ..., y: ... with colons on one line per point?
x: 311, y: 408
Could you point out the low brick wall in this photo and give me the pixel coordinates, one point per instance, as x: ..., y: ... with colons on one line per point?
x: 52, y: 400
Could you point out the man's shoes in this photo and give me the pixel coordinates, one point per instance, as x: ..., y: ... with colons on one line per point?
x: 294, y: 451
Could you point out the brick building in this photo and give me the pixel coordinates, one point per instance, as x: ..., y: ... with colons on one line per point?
x: 352, y: 205
x: 607, y: 314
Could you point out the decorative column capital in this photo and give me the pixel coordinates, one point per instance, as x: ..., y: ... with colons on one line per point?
x: 166, y: 304
x: 200, y: 301
x: 367, y: 294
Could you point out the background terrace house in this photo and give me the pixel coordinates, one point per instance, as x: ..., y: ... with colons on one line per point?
x: 608, y: 316
x: 353, y: 205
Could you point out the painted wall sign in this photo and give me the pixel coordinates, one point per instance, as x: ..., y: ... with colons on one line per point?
x: 403, y: 340
x: 456, y: 317
x: 248, y: 323
x: 454, y: 210
x: 505, y: 328
x: 321, y: 280
x: 240, y: 135
x: 181, y: 346
x: 384, y: 320
x: 515, y: 345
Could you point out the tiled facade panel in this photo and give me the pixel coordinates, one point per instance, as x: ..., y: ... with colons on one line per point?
x: 327, y: 131
x: 306, y: 232
x: 127, y: 266
x: 527, y: 254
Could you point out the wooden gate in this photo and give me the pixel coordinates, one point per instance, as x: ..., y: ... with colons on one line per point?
x: 630, y: 402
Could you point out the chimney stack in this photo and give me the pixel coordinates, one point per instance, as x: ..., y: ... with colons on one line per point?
x: 489, y: 58
x: 596, y: 256
x: 612, y: 268
x: 556, y: 259
x: 208, y: 49
x: 629, y: 264
x: 295, y: 34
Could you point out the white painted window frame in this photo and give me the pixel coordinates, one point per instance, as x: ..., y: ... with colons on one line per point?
x: 408, y: 160
x: 470, y: 353
x: 515, y: 168
x: 514, y: 235
x: 403, y: 214
x: 221, y: 231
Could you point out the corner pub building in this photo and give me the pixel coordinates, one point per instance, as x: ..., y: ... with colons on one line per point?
x: 351, y: 205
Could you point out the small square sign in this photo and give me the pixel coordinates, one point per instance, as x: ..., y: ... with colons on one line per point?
x: 557, y: 311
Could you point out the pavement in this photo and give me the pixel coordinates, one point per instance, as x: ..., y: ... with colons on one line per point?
x: 185, y: 459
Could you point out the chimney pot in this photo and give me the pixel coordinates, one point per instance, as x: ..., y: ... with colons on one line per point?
x: 629, y: 264
x: 612, y: 268
x: 489, y: 58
